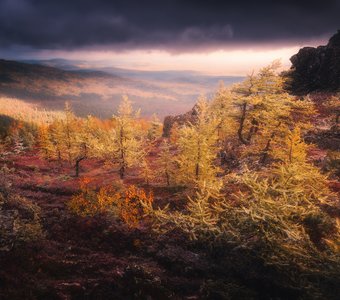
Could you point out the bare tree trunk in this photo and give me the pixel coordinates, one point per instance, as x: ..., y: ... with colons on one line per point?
x: 167, y: 176
x: 122, y: 155
x: 60, y: 161
x: 122, y: 172
x: 77, y: 165
x: 197, y: 169
x: 266, y: 150
x: 253, y: 129
x: 241, y: 126
x: 267, y: 147
x: 81, y: 158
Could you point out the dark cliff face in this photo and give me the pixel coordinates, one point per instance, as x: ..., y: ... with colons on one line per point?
x: 316, y: 69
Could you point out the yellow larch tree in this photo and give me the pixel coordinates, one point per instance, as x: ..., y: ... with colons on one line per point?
x: 155, y: 129
x: 198, y: 148
x: 267, y: 111
x: 122, y: 145
x: 165, y: 163
x: 67, y: 139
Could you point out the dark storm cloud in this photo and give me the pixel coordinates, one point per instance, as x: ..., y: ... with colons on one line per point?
x: 186, y: 24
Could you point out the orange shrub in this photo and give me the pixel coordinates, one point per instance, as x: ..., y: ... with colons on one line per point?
x: 130, y: 205
x: 89, y: 202
x: 127, y: 205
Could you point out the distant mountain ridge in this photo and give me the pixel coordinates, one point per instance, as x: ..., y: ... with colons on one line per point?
x: 98, y: 91
x: 168, y: 75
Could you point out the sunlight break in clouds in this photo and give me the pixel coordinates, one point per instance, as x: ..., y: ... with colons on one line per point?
x: 220, y: 62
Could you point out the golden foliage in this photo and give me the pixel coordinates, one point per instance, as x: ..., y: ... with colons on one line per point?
x: 293, y: 148
x: 174, y: 133
x: 122, y: 145
x: 198, y: 148
x: 28, y: 113
x: 165, y: 163
x: 126, y: 205
x: 130, y: 205
x: 89, y: 203
x: 274, y: 211
x: 259, y: 112
x: 155, y: 129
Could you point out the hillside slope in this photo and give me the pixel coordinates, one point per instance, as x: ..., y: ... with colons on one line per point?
x: 98, y: 92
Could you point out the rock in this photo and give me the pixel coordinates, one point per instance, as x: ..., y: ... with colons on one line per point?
x: 325, y: 139
x: 316, y: 69
x: 169, y: 121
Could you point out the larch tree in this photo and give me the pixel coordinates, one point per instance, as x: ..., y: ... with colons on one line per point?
x: 74, y: 143
x: 258, y: 98
x: 69, y: 126
x: 197, y: 145
x: 155, y: 129
x: 61, y: 134
x: 266, y: 111
x: 165, y: 161
x: 43, y: 140
x: 147, y: 171
x: 124, y: 144
x: 224, y: 109
x: 82, y: 140
x: 296, y: 174
x: 68, y: 139
x: 174, y: 133
x: 55, y: 145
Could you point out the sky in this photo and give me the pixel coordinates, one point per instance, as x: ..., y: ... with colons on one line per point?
x: 211, y: 36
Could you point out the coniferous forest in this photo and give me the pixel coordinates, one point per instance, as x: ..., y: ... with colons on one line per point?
x: 169, y: 150
x: 240, y: 201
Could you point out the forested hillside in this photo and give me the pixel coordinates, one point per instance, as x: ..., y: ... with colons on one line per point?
x: 238, y: 200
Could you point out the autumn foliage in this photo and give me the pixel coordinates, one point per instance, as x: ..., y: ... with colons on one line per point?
x: 88, y: 202
x: 240, y: 168
x: 127, y: 205
x: 130, y: 205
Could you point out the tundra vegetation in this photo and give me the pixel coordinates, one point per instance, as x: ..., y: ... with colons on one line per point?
x: 240, y: 180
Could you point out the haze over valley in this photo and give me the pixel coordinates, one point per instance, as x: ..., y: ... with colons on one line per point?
x: 97, y: 91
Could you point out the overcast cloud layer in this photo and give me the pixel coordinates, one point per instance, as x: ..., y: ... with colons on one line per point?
x: 173, y: 25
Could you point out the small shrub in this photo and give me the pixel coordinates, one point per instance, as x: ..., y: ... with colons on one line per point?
x: 130, y: 205
x: 19, y: 217
x: 89, y: 203
x: 126, y: 205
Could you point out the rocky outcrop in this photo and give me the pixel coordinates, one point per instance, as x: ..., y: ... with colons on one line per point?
x: 316, y: 69
x: 169, y: 121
